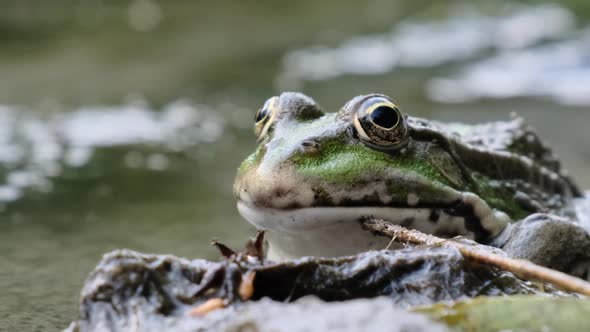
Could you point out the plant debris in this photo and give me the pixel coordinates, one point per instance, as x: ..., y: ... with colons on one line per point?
x: 129, y: 288
x: 482, y: 254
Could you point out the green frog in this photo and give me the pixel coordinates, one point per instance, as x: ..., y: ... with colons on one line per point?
x: 314, y: 175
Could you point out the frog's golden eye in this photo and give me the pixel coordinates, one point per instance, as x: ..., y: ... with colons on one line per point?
x: 380, y: 124
x: 265, y: 117
x: 261, y: 114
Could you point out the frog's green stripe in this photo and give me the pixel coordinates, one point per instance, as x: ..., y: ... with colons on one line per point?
x: 253, y: 160
x: 500, y: 164
x: 499, y: 198
x: 346, y: 162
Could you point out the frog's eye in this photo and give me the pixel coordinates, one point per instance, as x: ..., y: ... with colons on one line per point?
x: 380, y: 124
x: 265, y: 117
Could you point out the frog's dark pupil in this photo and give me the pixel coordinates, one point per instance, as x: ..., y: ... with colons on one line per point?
x: 385, y: 116
x: 261, y: 114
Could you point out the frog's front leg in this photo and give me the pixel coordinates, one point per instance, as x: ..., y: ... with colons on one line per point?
x: 548, y: 240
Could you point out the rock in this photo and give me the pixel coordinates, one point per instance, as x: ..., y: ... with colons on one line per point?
x: 305, y: 314
x: 550, y: 241
x: 130, y: 290
x: 313, y: 314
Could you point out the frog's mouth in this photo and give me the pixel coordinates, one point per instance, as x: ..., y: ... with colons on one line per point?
x: 463, y: 217
x: 301, y: 220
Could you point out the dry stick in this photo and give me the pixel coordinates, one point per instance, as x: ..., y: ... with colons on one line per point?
x: 520, y: 267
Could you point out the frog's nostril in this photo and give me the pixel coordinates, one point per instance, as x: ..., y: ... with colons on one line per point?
x: 308, y: 143
x: 310, y: 147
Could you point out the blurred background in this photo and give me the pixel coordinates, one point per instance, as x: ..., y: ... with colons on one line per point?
x: 122, y: 123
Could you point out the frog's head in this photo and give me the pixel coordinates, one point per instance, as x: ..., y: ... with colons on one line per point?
x: 314, y: 175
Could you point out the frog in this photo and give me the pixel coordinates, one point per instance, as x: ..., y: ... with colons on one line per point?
x: 315, y: 175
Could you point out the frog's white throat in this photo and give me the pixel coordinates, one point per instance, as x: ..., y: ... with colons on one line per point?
x: 337, y: 231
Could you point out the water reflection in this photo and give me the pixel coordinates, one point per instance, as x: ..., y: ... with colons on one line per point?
x: 522, y: 64
x: 34, y: 150
x: 558, y: 70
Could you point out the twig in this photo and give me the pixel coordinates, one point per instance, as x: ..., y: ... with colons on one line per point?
x: 208, y: 306
x: 390, y: 242
x: 522, y: 268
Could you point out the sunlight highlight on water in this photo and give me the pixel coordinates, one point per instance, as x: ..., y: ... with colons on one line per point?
x: 33, y: 150
x: 558, y: 70
x: 520, y: 55
x: 426, y: 44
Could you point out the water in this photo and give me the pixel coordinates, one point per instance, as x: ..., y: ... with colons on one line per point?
x: 122, y: 125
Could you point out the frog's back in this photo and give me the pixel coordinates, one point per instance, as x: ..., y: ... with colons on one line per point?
x: 515, y: 137
x: 510, y: 154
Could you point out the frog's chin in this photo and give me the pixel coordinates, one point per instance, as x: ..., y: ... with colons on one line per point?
x: 303, y: 220
x: 337, y: 231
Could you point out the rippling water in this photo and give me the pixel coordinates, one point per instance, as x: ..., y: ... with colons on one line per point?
x: 558, y: 70
x: 35, y: 150
x: 123, y: 125
x: 530, y: 52
x: 464, y: 35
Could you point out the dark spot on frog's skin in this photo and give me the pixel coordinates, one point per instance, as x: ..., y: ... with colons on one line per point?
x: 472, y: 223
x: 434, y: 215
x: 321, y: 197
x: 166, y: 266
x: 267, y: 200
x: 293, y: 206
x: 310, y: 147
x: 280, y: 192
x: 368, y: 200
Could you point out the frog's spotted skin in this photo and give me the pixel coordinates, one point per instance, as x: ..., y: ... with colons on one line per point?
x: 314, y: 175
